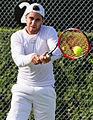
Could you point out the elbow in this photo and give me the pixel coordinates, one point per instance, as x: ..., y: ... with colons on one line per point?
x: 18, y: 64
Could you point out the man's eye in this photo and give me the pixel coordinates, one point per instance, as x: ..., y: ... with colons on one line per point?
x: 31, y: 18
x: 38, y: 19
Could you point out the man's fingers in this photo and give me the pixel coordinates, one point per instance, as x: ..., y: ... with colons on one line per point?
x: 44, y: 54
x: 44, y: 58
x: 36, y: 59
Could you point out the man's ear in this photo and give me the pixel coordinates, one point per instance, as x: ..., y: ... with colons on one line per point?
x: 43, y: 20
x: 25, y: 17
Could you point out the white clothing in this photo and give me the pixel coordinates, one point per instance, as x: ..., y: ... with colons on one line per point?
x: 23, y: 46
x: 43, y: 99
x: 34, y: 82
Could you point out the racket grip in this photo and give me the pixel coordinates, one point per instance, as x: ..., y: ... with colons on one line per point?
x: 48, y: 55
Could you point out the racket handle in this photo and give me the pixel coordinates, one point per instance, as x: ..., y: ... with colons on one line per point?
x: 48, y: 54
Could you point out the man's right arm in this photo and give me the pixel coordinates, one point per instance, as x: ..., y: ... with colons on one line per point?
x: 17, y: 50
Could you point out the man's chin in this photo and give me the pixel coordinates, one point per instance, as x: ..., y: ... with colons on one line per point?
x: 34, y: 31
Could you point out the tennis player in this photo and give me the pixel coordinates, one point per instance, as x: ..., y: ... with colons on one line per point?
x: 35, y: 81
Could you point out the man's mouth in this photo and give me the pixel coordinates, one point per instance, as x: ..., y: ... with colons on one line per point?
x: 33, y: 26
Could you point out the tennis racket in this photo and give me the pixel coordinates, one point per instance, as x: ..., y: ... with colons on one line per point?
x: 70, y: 38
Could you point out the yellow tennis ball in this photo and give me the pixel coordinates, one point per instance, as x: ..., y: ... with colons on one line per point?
x: 77, y: 50
x: 63, y: 48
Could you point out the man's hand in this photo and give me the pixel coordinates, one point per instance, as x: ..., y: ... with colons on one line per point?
x: 36, y: 59
x: 45, y: 59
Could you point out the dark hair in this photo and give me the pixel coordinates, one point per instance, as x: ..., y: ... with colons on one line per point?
x: 36, y: 8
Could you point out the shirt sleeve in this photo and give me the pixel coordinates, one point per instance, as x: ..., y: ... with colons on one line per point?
x: 52, y: 39
x: 17, y: 50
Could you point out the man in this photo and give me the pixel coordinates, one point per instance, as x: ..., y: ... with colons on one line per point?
x: 35, y: 81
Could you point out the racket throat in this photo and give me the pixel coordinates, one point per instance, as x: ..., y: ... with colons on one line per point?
x: 51, y: 52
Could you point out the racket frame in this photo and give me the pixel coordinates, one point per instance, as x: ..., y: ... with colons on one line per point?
x: 58, y: 43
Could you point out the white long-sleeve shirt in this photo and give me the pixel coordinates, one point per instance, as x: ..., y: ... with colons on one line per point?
x: 23, y: 46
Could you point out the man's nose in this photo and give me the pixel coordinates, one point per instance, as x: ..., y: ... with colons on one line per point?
x: 33, y: 22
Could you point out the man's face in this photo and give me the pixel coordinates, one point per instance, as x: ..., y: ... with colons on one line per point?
x: 34, y: 22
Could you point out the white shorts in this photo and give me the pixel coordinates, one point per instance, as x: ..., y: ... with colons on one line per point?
x: 43, y: 100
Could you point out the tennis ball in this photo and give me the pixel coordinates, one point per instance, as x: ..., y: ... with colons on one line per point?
x: 63, y: 48
x: 77, y: 50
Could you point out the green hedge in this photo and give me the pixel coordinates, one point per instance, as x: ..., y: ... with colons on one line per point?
x: 74, y: 82
x: 74, y: 86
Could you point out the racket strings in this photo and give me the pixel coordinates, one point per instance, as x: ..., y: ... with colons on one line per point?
x: 71, y: 39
